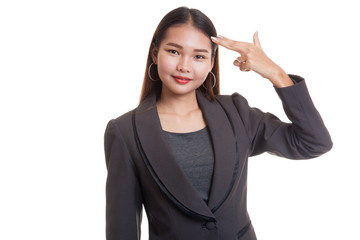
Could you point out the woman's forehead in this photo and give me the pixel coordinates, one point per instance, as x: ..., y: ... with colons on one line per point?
x: 187, y: 36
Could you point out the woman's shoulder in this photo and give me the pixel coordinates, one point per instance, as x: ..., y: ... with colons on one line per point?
x: 124, y: 124
x: 234, y: 99
x: 120, y: 123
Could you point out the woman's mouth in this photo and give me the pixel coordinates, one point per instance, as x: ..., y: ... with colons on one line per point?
x: 181, y: 80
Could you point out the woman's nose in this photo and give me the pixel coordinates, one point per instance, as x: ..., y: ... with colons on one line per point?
x: 184, y: 65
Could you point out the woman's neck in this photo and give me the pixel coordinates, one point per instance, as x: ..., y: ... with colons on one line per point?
x: 177, y: 104
x: 180, y: 113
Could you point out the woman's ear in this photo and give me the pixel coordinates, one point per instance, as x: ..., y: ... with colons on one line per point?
x: 154, y: 53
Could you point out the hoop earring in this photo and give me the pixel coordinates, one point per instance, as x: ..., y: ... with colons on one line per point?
x: 214, y: 81
x: 150, y: 74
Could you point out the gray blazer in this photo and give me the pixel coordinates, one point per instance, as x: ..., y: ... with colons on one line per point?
x: 142, y: 169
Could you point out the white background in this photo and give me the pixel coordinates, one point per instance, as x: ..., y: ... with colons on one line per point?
x: 67, y: 67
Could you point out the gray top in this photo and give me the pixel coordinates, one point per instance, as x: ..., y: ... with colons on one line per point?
x: 194, y: 154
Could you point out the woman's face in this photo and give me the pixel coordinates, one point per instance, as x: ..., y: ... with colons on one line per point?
x: 183, y: 59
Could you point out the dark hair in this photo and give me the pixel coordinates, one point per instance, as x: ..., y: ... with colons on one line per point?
x: 177, y: 16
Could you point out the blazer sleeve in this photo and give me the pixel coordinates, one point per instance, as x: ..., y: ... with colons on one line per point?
x: 305, y: 137
x: 123, y: 191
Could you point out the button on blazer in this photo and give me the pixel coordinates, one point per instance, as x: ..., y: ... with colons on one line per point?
x: 142, y: 170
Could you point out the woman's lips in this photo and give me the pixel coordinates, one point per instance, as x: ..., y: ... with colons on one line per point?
x: 182, y: 80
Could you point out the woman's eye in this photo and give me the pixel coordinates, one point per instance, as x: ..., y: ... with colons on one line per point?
x: 199, y: 57
x: 173, y: 51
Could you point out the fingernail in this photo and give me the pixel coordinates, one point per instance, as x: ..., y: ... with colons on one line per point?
x: 219, y: 36
x: 213, y: 38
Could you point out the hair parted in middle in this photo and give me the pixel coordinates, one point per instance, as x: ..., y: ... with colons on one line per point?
x: 199, y: 20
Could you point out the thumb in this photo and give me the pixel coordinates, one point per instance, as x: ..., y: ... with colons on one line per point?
x: 256, y: 40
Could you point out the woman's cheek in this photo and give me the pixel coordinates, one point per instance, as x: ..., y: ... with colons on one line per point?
x: 202, y: 71
x: 167, y: 65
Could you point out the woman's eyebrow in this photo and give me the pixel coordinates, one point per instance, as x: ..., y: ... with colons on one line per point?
x: 180, y: 47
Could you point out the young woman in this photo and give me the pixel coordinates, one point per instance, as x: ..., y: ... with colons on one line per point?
x: 183, y: 152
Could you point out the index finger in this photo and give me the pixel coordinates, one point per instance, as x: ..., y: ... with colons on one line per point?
x: 237, y: 46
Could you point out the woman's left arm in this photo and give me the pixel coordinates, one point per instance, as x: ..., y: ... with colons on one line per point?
x: 306, y: 137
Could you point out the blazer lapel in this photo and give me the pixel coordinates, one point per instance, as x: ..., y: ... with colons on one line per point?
x: 225, y: 150
x: 162, y: 161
